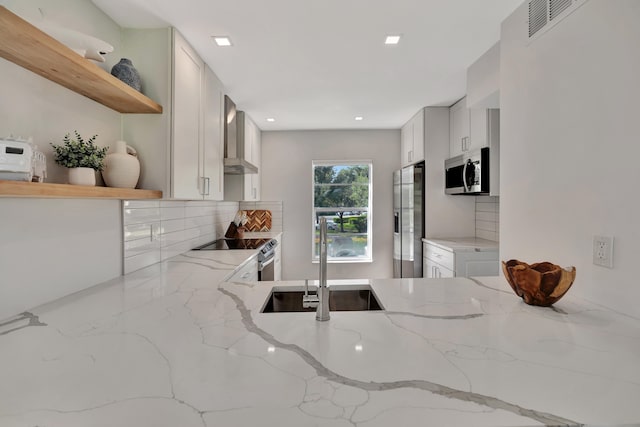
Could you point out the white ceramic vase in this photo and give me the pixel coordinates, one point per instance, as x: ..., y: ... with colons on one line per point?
x: 121, y: 168
x: 82, y: 176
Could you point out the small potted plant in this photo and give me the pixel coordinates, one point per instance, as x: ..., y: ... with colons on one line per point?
x: 82, y: 158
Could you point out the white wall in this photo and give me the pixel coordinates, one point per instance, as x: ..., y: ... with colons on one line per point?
x: 286, y: 176
x: 34, y: 106
x: 569, y: 151
x: 50, y: 248
x: 445, y: 215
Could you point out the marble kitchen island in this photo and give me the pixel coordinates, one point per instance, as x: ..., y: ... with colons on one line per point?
x: 175, y: 345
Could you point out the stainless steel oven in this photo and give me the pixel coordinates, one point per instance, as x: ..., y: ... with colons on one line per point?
x: 266, y: 268
x: 468, y: 173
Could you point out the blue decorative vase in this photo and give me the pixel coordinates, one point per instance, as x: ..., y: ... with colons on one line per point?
x: 125, y: 71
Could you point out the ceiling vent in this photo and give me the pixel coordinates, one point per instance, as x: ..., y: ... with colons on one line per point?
x: 544, y: 14
x: 537, y: 15
x: 556, y: 7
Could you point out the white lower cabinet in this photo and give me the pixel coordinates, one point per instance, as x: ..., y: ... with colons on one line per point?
x: 247, y: 273
x: 277, y: 268
x: 439, y: 262
x: 432, y: 269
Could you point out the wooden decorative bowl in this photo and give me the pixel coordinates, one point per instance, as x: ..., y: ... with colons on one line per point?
x: 542, y: 283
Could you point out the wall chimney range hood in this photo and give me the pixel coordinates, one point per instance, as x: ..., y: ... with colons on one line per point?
x: 234, y: 162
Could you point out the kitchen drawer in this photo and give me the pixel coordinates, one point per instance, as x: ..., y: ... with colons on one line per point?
x: 247, y: 273
x: 441, y: 256
x: 433, y: 270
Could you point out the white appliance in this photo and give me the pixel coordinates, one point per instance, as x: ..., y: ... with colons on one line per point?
x: 20, y: 160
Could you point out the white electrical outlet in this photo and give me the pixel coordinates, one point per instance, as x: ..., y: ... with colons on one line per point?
x: 603, y: 251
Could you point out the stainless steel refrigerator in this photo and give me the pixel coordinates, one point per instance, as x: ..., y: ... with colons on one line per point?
x: 408, y: 217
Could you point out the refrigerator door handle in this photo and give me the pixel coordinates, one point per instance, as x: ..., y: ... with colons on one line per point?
x: 396, y: 222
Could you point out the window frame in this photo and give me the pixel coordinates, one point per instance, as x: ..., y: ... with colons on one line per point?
x: 368, y: 257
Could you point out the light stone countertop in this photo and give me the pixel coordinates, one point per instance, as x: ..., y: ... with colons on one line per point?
x: 464, y: 244
x: 173, y: 345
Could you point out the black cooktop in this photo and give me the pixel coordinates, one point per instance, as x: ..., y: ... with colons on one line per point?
x: 224, y: 244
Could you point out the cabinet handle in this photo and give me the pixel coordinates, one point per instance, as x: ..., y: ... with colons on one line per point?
x: 208, y: 181
x: 151, y: 232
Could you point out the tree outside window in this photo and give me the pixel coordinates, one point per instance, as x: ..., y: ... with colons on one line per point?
x: 342, y: 194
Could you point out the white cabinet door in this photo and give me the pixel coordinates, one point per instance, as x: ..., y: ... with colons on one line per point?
x: 412, y: 140
x: 247, y: 273
x: 187, y: 119
x: 212, y: 173
x: 418, y: 136
x: 406, y: 143
x: 459, y: 128
x: 433, y: 270
x: 277, y: 268
x: 252, y: 153
x: 478, y: 130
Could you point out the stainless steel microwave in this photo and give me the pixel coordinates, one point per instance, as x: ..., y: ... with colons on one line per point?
x: 468, y: 173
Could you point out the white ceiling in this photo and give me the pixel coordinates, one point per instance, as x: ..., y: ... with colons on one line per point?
x: 318, y: 64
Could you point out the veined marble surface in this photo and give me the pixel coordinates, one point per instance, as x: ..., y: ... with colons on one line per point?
x: 172, y: 345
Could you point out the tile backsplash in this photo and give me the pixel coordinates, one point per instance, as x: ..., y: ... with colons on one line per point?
x: 488, y: 217
x: 155, y: 230
x: 274, y: 207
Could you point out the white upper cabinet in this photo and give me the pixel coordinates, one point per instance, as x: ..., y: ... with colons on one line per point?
x: 252, y: 153
x: 212, y: 172
x: 188, y: 72
x: 180, y: 150
x: 459, y: 140
x: 412, y: 140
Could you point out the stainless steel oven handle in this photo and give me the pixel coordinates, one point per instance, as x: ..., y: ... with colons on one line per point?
x: 265, y: 263
x: 464, y: 176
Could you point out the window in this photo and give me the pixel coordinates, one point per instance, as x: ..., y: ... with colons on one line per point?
x: 342, y: 193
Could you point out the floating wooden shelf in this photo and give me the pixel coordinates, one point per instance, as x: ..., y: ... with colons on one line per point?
x: 27, y: 46
x: 66, y: 191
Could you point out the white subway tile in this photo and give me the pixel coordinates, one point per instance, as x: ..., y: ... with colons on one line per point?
x: 168, y: 239
x: 140, y: 261
x: 486, y: 225
x: 143, y: 215
x: 486, y: 207
x: 175, y: 249
x: 172, y: 203
x: 140, y: 231
x: 136, y: 247
x: 485, y: 216
x: 489, y: 235
x: 167, y: 213
x: 171, y: 226
x: 138, y: 204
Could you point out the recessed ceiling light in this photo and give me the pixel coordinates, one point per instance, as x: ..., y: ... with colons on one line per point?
x: 392, y: 40
x: 359, y: 118
x: 222, y: 40
x: 271, y: 119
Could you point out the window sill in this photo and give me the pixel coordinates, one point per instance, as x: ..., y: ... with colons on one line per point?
x: 345, y: 261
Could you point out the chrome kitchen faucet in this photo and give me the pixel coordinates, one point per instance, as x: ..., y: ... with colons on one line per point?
x: 321, y: 299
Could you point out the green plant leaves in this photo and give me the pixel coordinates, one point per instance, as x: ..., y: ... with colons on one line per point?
x: 78, y: 153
